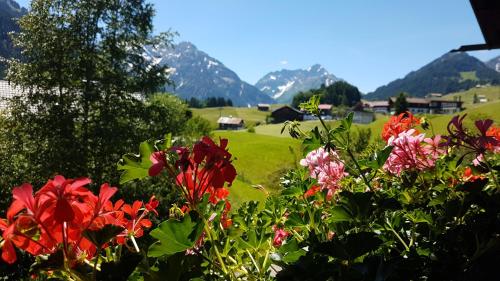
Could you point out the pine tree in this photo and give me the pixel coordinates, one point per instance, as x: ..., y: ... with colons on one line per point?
x: 475, y: 99
x: 401, y: 104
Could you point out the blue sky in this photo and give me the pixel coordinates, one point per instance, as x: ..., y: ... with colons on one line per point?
x: 368, y: 43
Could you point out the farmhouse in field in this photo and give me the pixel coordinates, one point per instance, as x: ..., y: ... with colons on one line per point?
x: 360, y: 115
x: 482, y: 98
x: 440, y: 105
x: 381, y: 106
x: 415, y: 105
x: 230, y: 123
x: 325, y: 109
x: 433, y: 104
x: 263, y: 107
x: 286, y: 113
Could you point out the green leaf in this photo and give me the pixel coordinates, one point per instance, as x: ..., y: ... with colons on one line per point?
x: 292, y: 192
x: 295, y: 220
x: 136, y: 166
x: 347, y: 121
x: 103, y: 235
x: 313, y: 141
x: 418, y: 216
x: 311, y: 105
x: 382, y: 156
x: 292, y: 257
x: 352, y: 246
x: 339, y: 214
x: 175, y: 236
x: 121, y: 269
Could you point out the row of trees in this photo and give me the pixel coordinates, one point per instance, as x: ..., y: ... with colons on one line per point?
x: 209, y: 102
x: 339, y: 93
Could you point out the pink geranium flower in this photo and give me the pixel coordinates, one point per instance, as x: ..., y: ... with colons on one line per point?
x: 413, y: 152
x: 280, y: 235
x: 326, y: 167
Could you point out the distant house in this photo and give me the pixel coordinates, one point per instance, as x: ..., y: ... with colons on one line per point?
x: 230, y: 123
x: 360, y: 115
x: 286, y: 113
x: 415, y: 105
x: 263, y: 107
x: 444, y: 106
x: 482, y: 98
x: 325, y: 109
x: 379, y: 106
x: 363, y: 117
x: 433, y: 104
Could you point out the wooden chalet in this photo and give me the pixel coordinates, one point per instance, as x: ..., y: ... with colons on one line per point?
x: 263, y: 107
x: 230, y: 123
x: 286, y: 113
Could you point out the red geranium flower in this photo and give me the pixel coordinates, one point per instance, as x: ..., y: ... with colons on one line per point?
x: 469, y: 176
x: 312, y: 191
x: 57, y: 216
x: 398, y: 124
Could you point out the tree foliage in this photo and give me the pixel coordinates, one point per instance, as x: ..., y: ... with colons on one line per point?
x: 85, y: 81
x: 339, y: 93
x: 401, y: 104
x: 209, y: 102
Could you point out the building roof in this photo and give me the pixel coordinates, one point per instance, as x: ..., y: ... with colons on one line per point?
x: 285, y: 107
x: 413, y: 100
x: 263, y: 105
x: 417, y: 100
x: 325, y: 106
x: 445, y: 100
x: 488, y: 16
x: 229, y: 120
x: 378, y: 103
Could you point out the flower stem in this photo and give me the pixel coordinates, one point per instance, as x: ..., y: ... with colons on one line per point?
x: 359, y: 169
x: 94, y: 270
x: 492, y: 172
x: 216, y: 249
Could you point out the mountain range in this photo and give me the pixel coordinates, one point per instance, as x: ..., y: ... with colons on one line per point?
x: 451, y: 72
x: 196, y: 74
x: 283, y: 85
x: 494, y: 63
x: 9, y: 11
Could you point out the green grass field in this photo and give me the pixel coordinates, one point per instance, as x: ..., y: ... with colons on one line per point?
x: 260, y: 160
x: 468, y: 75
x: 491, y: 93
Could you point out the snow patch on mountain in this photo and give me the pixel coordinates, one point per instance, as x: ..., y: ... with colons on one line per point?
x: 282, y: 89
x: 284, y: 84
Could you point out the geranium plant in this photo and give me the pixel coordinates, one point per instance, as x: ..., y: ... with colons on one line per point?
x: 413, y: 206
x: 67, y: 227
